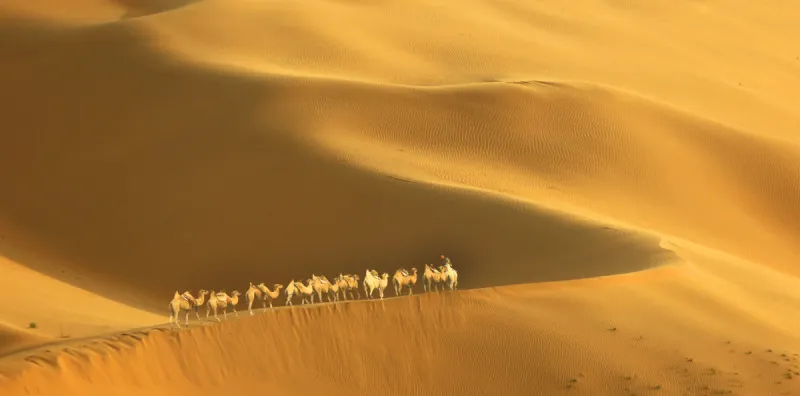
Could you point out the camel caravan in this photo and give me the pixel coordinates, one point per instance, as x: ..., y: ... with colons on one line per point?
x: 434, y: 279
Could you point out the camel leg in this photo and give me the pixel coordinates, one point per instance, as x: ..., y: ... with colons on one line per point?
x: 215, y: 314
x: 250, y: 306
x: 173, y: 315
x: 197, y: 313
x: 270, y: 304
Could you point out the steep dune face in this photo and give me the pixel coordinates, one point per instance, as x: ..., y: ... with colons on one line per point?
x: 58, y: 308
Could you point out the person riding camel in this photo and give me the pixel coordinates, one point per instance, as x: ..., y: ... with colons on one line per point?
x: 446, y: 260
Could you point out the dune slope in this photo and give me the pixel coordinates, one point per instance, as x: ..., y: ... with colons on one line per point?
x: 513, y: 339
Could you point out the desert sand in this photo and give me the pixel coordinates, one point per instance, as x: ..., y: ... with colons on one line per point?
x: 617, y: 183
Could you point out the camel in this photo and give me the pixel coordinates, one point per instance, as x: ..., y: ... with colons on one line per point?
x: 222, y: 300
x: 335, y: 290
x: 450, y: 275
x: 252, y: 294
x: 320, y: 285
x: 290, y: 291
x: 352, y: 285
x: 372, y: 281
x: 269, y: 296
x: 403, y: 279
x: 431, y: 278
x: 383, y: 283
x: 305, y: 291
x: 340, y: 283
x: 185, y: 302
x: 349, y: 283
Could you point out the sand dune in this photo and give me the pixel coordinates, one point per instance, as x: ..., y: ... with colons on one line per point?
x: 641, y: 159
x: 516, y: 339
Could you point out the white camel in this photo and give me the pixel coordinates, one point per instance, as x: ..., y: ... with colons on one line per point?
x: 372, y: 281
x: 450, y: 274
x: 290, y: 292
x: 185, y: 302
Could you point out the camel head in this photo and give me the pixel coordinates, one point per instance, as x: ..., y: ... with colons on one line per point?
x: 202, y: 292
x: 278, y: 287
x: 385, y: 276
x: 414, y: 270
x: 235, y: 293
